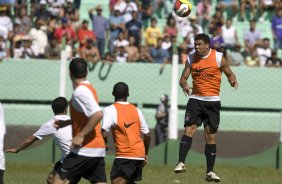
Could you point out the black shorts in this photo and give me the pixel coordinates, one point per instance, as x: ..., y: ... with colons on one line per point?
x: 1, y: 176
x: 76, y: 166
x: 128, y: 169
x: 206, y: 112
x: 57, y: 166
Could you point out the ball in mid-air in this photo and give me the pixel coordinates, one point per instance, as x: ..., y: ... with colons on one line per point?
x: 182, y: 8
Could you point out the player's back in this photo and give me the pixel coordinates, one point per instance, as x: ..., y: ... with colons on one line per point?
x: 62, y: 136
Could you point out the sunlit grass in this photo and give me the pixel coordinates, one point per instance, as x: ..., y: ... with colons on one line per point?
x: 36, y: 174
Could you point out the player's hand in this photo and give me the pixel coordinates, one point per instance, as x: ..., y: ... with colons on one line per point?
x: 234, y: 84
x: 11, y: 150
x: 56, y: 124
x: 61, y: 124
x: 186, y: 90
x: 145, y: 161
x: 77, y: 141
x: 161, y: 68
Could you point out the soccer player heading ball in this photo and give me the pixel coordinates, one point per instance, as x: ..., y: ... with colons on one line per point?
x: 205, y: 67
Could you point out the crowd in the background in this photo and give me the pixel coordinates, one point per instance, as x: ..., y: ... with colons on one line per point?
x: 131, y: 31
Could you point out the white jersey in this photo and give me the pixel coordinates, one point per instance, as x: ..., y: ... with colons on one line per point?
x: 2, y: 133
x: 63, y: 136
x: 110, y: 120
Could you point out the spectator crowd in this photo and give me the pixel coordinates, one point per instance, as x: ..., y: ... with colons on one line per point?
x: 131, y: 32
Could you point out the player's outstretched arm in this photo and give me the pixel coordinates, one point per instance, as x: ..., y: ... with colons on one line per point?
x: 26, y: 143
x: 229, y: 74
x: 183, y: 79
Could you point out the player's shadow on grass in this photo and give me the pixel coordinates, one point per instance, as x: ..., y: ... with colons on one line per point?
x: 102, y: 75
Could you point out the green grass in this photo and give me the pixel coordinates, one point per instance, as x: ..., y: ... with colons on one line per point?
x: 17, y: 173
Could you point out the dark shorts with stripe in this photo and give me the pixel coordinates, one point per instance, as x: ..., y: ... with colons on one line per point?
x: 1, y: 176
x: 76, y: 166
x: 202, y: 112
x: 57, y: 166
x: 129, y: 169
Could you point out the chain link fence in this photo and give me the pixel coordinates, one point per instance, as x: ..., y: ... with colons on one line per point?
x: 250, y: 116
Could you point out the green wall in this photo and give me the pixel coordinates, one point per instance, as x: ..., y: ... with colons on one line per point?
x: 38, y: 80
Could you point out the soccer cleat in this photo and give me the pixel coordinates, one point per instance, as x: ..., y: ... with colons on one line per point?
x: 180, y: 167
x: 212, y: 176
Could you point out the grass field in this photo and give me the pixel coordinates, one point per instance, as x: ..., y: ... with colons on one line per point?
x: 36, y: 174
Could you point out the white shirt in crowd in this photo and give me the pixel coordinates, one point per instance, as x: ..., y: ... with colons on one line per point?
x: 2, y: 133
x: 229, y: 35
x: 166, y: 45
x: 268, y: 2
x: 131, y: 7
x: 39, y: 40
x: 55, y: 6
x: 63, y: 136
x: 120, y: 43
x: 6, y: 25
x: 122, y: 58
x: 263, y: 54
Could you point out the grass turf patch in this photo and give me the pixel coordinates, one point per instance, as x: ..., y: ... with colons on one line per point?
x: 18, y: 173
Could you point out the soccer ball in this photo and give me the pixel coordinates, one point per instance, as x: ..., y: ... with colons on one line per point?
x: 182, y: 8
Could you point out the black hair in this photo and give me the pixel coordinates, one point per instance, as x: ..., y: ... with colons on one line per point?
x: 78, y: 68
x: 168, y: 19
x: 59, y: 105
x: 253, y: 20
x: 154, y: 19
x: 85, y: 21
x: 120, y: 90
x: 204, y: 37
x: 164, y: 98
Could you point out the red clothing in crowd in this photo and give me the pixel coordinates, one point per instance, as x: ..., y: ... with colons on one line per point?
x: 68, y: 31
x: 83, y: 35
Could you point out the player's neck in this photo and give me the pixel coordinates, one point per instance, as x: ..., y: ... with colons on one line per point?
x: 121, y: 100
x: 60, y: 114
x: 206, y: 54
x: 76, y: 82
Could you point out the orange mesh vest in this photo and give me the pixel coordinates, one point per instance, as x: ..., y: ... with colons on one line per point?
x: 94, y: 139
x: 206, y: 75
x: 127, y: 136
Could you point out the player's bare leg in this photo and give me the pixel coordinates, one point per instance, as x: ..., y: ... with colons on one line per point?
x: 51, y: 177
x: 119, y: 180
x: 58, y: 180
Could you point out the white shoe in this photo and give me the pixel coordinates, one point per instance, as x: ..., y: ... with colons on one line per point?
x: 212, y: 176
x: 180, y: 167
